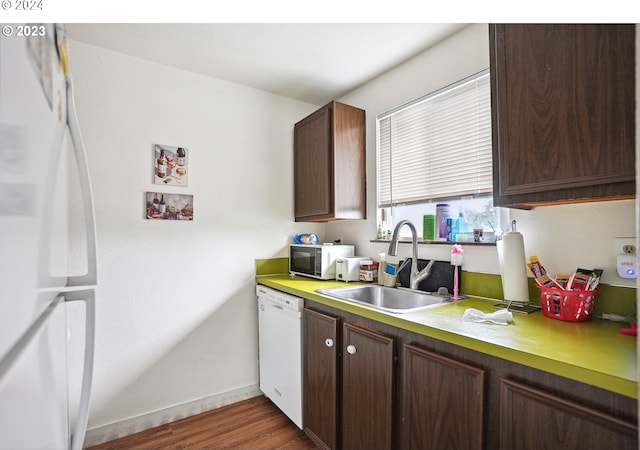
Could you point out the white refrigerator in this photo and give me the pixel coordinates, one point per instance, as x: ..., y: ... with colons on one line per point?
x: 48, y: 261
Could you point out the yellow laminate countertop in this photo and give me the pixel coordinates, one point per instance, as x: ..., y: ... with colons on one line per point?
x: 594, y: 352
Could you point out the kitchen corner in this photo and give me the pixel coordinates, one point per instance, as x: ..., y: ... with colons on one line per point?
x: 180, y: 297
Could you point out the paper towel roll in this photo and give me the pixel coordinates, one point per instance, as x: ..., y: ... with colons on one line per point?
x: 513, y: 267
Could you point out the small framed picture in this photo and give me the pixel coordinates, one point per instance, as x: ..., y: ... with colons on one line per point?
x: 170, y: 165
x: 167, y: 206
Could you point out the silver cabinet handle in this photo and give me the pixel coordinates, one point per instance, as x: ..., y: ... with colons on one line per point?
x: 328, y: 342
x: 351, y: 349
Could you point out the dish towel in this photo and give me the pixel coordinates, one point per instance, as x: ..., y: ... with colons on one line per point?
x: 500, y: 317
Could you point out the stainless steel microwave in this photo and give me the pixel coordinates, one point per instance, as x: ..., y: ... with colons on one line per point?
x: 317, y: 261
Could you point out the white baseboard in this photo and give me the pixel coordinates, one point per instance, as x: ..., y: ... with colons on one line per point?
x: 153, y: 419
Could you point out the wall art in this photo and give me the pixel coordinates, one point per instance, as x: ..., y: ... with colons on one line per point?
x: 168, y: 206
x: 170, y: 165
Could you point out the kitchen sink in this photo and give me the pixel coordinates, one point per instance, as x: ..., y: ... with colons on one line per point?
x: 395, y: 300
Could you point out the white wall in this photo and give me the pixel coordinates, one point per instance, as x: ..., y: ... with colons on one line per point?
x: 565, y: 237
x: 176, y: 309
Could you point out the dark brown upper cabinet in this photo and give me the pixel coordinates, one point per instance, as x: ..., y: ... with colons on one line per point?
x: 563, y: 113
x: 329, y: 164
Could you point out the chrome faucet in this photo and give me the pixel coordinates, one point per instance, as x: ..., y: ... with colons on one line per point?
x: 416, y: 276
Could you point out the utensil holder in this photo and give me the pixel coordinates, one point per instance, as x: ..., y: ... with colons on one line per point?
x: 388, y: 280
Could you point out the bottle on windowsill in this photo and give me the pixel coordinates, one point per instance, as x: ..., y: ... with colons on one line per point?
x: 460, y: 228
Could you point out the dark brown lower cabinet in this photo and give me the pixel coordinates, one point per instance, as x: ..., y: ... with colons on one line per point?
x: 367, y: 389
x: 348, y: 384
x: 533, y: 419
x: 320, y: 378
x: 443, y: 402
x: 442, y: 395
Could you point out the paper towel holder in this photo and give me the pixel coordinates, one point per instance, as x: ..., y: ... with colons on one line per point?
x: 514, y: 305
x: 517, y: 307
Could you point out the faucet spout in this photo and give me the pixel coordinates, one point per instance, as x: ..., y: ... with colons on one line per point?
x: 416, y: 276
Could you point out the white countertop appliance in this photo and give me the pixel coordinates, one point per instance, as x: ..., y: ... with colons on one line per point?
x: 317, y: 261
x: 348, y: 269
x: 280, y: 350
x: 41, y: 309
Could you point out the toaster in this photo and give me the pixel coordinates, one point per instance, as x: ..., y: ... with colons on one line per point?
x: 348, y: 268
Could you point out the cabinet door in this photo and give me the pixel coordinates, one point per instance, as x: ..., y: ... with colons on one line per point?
x: 563, y: 112
x: 367, y: 389
x: 320, y: 378
x: 533, y: 419
x: 443, y: 402
x: 313, y: 166
x: 350, y: 200
x: 329, y: 164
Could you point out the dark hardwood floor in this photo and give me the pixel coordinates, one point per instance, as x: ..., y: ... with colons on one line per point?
x: 251, y: 424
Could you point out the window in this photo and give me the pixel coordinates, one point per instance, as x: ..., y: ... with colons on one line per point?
x: 438, y: 148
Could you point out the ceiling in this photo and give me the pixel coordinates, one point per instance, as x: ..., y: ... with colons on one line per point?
x: 311, y: 62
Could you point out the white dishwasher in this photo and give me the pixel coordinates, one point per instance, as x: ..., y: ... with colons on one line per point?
x: 280, y: 350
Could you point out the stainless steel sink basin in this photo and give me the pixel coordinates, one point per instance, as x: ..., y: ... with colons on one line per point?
x: 396, y: 300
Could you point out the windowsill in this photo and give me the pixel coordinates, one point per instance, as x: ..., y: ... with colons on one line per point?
x: 422, y: 242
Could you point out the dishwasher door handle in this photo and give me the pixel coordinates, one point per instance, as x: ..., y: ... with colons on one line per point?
x: 264, y: 304
x: 273, y: 305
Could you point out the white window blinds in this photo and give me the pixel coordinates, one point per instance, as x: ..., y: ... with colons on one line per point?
x: 438, y: 146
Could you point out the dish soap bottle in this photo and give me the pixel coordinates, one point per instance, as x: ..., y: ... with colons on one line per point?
x: 460, y: 227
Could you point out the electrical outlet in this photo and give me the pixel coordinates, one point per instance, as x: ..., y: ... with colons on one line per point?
x: 626, y: 260
x: 625, y: 245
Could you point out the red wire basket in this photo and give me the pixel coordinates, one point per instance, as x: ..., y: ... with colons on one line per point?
x: 573, y: 305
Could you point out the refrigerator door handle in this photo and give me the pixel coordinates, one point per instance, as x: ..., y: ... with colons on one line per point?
x: 90, y: 278
x: 88, y: 296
